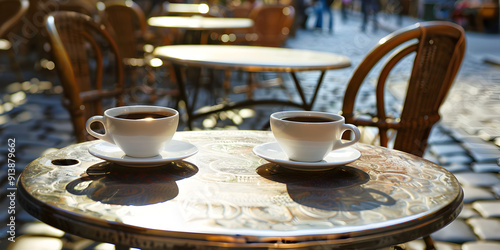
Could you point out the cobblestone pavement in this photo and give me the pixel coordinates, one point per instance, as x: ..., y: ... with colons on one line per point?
x: 466, y: 142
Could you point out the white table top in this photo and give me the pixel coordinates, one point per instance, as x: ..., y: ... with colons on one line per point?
x: 200, y: 22
x: 251, y: 58
x: 186, y: 8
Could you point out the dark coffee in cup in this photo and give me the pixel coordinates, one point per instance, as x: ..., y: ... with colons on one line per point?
x: 308, y: 136
x: 144, y: 115
x: 308, y: 119
x: 139, y: 131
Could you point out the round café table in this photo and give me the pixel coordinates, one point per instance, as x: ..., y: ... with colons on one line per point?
x: 185, y: 8
x: 227, y: 197
x: 199, y: 26
x: 251, y: 59
x: 200, y: 22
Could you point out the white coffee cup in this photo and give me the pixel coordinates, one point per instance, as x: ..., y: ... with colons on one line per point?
x: 135, y: 131
x: 308, y: 136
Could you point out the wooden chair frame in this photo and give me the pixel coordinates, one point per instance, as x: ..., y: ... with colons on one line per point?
x: 71, y: 34
x: 13, y: 20
x: 439, y: 48
x: 126, y: 22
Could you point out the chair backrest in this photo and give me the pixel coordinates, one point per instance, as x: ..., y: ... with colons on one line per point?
x: 11, y: 12
x: 272, y: 24
x: 86, y: 57
x: 241, y: 11
x: 126, y: 23
x: 438, y: 48
x: 87, y: 7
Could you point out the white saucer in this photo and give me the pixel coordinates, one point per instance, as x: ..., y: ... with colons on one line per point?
x: 272, y: 152
x: 173, y: 151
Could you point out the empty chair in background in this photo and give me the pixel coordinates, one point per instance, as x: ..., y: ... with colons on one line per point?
x: 272, y: 27
x: 89, y: 66
x: 34, y: 31
x: 126, y: 23
x: 272, y: 24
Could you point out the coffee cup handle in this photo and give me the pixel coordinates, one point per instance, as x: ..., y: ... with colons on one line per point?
x: 357, y: 136
x: 105, y: 137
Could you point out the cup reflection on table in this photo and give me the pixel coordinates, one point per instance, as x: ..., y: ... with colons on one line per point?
x: 308, y: 136
x: 140, y: 131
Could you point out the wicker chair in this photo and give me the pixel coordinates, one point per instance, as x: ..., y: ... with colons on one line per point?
x: 272, y: 24
x: 87, y: 7
x: 11, y: 12
x: 37, y: 38
x: 86, y: 56
x: 126, y: 23
x: 438, y: 48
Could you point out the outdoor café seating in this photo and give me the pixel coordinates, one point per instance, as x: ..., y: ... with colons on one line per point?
x: 84, y: 76
x: 438, y: 48
x: 223, y: 181
x: 126, y: 22
x: 272, y: 26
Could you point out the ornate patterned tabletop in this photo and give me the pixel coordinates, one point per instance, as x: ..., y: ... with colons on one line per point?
x: 226, y: 197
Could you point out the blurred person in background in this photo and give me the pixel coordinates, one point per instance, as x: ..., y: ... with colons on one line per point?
x: 369, y: 8
x: 322, y: 6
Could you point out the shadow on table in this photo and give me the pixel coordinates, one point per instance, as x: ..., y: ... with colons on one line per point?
x: 110, y: 183
x: 337, y: 189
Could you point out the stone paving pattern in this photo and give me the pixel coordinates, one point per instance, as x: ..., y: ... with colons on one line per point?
x: 466, y: 142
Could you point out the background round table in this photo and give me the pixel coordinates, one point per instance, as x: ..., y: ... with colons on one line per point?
x: 225, y: 196
x: 198, y: 28
x: 200, y: 22
x: 251, y: 59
